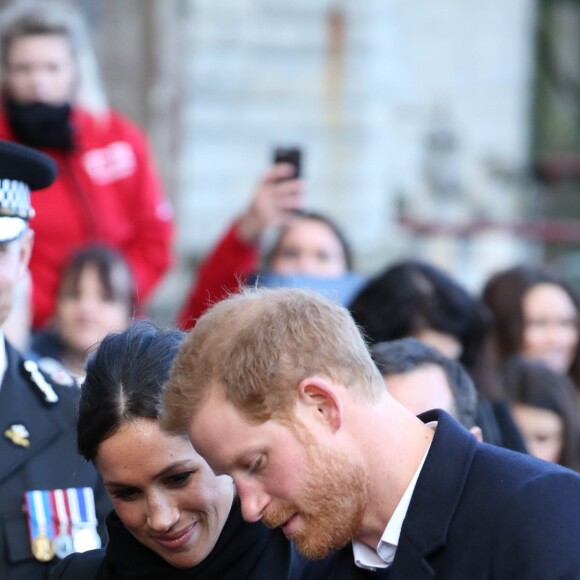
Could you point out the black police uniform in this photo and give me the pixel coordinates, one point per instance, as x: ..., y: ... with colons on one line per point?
x: 49, y: 462
x: 37, y: 415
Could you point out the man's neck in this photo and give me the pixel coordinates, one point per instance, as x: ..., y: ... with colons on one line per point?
x: 393, y: 453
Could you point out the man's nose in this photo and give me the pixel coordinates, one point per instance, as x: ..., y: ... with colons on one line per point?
x: 254, y: 501
x: 38, y: 86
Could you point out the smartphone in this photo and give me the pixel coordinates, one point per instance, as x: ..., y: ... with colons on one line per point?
x: 291, y: 155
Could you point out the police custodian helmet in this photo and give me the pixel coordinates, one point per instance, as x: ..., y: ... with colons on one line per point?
x: 22, y: 170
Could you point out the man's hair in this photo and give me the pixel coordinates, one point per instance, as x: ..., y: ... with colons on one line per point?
x: 256, y: 347
x: 34, y: 18
x: 406, y: 355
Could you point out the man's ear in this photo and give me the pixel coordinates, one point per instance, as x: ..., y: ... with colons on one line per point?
x: 24, y: 252
x: 320, y: 397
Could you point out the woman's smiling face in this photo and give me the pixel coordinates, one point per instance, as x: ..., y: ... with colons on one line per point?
x: 550, y: 332
x: 164, y: 492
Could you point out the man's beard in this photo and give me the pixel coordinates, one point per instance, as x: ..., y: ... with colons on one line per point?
x: 331, y: 509
x: 41, y: 125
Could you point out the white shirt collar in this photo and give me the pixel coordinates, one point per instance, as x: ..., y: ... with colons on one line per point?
x: 383, y: 556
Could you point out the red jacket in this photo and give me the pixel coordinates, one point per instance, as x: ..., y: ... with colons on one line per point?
x: 107, y: 191
x: 222, y: 272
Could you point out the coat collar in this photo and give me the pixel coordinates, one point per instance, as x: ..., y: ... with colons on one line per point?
x: 435, y: 499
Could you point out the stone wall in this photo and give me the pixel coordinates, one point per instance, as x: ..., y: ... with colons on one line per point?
x: 368, y: 89
x: 419, y: 107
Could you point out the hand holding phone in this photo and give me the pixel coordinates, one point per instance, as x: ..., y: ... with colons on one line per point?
x: 290, y: 155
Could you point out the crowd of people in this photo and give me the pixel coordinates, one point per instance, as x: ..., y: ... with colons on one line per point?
x: 391, y: 426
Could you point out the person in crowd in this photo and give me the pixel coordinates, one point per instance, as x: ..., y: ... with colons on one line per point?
x: 39, y: 465
x: 414, y: 299
x: 107, y: 190
x: 544, y: 408
x: 421, y: 378
x: 277, y: 388
x: 535, y: 315
x: 309, y: 251
x: 173, y: 517
x: 96, y: 296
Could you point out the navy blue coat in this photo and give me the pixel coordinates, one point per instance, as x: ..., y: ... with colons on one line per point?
x: 480, y: 512
x: 50, y: 462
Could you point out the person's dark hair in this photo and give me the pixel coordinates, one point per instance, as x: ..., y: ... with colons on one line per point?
x: 319, y: 217
x: 533, y: 383
x: 124, y: 381
x: 112, y: 269
x: 504, y: 294
x: 406, y: 355
x: 411, y: 296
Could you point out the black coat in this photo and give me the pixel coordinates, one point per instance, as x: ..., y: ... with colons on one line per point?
x: 47, y: 344
x: 243, y: 552
x: 50, y: 462
x: 479, y: 512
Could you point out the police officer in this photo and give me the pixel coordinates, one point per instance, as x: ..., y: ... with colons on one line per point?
x: 50, y: 498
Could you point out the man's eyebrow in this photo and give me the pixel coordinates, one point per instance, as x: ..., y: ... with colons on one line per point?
x: 239, y: 458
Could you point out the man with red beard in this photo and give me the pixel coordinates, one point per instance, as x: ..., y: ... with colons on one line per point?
x: 277, y: 389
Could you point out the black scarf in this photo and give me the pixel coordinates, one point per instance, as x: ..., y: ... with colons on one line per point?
x: 41, y: 125
x: 243, y: 552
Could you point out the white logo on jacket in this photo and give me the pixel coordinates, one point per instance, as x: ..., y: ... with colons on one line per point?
x: 111, y: 163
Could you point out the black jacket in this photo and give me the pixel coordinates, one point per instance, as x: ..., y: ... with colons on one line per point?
x: 51, y: 461
x: 479, y: 512
x: 243, y: 552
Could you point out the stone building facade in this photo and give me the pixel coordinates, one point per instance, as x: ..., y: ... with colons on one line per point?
x: 414, y: 117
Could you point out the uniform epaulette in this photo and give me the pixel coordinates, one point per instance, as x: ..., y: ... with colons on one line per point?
x: 57, y: 373
x: 40, y: 382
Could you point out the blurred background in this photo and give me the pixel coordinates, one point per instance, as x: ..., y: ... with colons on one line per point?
x: 446, y: 130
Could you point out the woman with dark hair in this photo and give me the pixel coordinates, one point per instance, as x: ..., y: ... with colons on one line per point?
x: 96, y: 296
x: 415, y: 299
x: 412, y: 298
x: 535, y: 315
x: 310, y: 250
x: 173, y: 517
x: 544, y: 408
x: 289, y: 255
